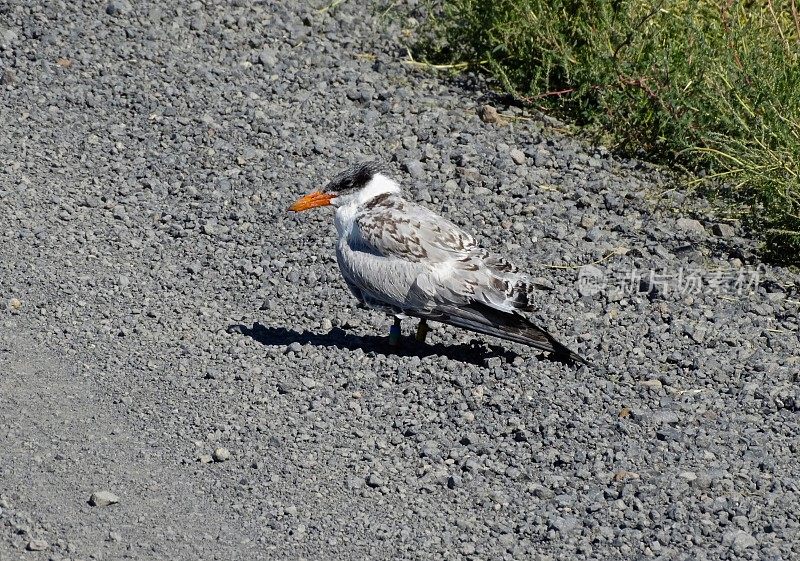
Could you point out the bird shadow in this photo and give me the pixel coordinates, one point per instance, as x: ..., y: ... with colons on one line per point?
x: 473, y: 353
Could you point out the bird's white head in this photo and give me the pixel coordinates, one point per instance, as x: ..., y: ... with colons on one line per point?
x: 354, y: 186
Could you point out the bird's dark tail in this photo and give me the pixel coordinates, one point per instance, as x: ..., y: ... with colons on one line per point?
x: 508, y: 325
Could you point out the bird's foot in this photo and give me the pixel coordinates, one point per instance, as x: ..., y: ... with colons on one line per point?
x: 394, y: 333
x: 422, y: 330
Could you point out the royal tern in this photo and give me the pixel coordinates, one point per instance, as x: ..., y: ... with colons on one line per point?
x: 405, y: 260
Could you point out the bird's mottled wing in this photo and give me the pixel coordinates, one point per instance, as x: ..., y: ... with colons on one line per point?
x: 394, y: 227
x: 458, y: 271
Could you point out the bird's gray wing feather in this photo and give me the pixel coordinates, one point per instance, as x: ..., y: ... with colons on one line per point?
x: 449, y: 265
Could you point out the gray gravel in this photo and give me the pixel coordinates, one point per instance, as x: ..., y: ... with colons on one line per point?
x: 161, y: 313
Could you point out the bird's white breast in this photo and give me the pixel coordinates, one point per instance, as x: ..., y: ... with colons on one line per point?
x: 344, y: 218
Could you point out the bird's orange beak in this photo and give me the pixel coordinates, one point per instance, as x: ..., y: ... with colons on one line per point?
x: 312, y: 200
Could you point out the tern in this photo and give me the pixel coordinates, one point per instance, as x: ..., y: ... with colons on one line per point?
x: 405, y: 260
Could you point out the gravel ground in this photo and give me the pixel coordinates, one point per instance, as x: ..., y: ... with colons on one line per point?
x: 183, y: 374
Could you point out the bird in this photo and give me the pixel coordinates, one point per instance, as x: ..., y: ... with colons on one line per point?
x: 403, y: 259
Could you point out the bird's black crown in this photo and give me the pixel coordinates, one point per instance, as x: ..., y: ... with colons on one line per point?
x: 354, y: 177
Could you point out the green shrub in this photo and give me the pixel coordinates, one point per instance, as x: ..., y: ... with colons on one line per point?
x: 712, y: 85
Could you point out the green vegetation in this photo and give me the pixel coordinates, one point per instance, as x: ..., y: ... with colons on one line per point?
x: 712, y: 85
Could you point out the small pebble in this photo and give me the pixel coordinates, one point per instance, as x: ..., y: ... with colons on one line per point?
x: 652, y: 384
x: 489, y: 114
x: 118, y: 7
x: 103, y: 498
x: 415, y: 169
x: 221, y: 454
x: 690, y: 225
x: 588, y: 221
x: 723, y: 231
x: 738, y: 540
x: 37, y: 545
x: 375, y: 480
x: 198, y: 23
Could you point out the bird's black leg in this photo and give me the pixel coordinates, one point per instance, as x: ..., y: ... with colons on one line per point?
x: 394, y: 332
x: 422, y: 330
